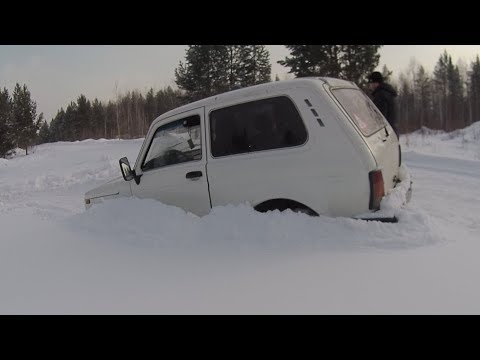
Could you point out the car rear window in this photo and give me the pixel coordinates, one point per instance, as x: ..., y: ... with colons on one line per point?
x: 360, y: 109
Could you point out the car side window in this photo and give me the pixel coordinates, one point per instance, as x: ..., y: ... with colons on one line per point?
x: 255, y: 126
x: 174, y: 143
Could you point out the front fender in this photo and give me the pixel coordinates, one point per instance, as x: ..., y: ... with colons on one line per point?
x: 115, y: 188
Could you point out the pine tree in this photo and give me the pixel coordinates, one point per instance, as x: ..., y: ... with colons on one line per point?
x: 350, y: 62
x: 255, y: 65
x: 405, y: 104
x: 475, y: 90
x: 422, y: 87
x: 313, y: 60
x: 234, y: 69
x: 464, y: 80
x: 58, y: 127
x: 441, y: 88
x: 150, y: 107
x: 202, y: 75
x: 82, y: 119
x: 25, y: 120
x: 44, y: 134
x: 212, y: 69
x: 139, y: 106
x: 7, y: 143
x: 455, y: 92
x: 71, y: 123
x: 218, y: 69
x: 358, y: 61
x: 97, y: 120
x: 111, y: 120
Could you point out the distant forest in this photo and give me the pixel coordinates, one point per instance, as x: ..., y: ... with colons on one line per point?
x: 446, y: 99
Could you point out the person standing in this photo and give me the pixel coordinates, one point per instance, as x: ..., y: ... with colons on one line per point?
x: 383, y: 96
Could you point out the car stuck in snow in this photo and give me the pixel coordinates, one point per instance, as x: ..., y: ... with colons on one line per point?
x: 313, y: 145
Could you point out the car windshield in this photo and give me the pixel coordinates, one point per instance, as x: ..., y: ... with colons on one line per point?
x: 361, y: 110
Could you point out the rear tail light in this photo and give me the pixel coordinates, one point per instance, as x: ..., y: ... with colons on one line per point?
x: 377, y: 189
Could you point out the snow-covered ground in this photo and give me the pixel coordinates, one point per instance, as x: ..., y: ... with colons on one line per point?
x: 140, y: 256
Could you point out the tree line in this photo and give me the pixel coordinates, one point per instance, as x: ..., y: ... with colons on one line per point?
x: 207, y: 70
x: 448, y: 98
x: 128, y: 116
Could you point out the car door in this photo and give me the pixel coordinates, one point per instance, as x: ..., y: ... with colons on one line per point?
x: 257, y: 152
x: 173, y: 164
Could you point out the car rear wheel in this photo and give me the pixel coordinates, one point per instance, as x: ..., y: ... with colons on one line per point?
x: 284, y: 204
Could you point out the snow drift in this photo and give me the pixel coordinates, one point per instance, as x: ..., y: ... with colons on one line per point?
x: 140, y: 256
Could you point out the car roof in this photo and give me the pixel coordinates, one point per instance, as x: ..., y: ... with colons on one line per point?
x: 257, y: 90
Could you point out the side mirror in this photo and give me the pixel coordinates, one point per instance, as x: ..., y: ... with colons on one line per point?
x: 126, y: 169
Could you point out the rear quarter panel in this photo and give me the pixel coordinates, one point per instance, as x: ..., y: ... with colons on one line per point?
x: 344, y: 158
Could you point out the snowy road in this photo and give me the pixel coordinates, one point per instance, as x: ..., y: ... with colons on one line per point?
x: 139, y: 256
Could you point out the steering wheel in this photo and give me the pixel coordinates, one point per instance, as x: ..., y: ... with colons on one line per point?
x: 174, y: 157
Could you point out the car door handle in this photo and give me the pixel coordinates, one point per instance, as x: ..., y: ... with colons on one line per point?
x: 194, y: 175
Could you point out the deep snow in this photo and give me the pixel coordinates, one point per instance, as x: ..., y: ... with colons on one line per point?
x: 140, y: 256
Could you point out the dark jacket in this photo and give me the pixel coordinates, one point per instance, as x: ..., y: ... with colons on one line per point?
x: 384, y: 98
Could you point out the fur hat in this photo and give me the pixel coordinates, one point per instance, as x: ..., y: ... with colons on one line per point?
x: 375, y: 77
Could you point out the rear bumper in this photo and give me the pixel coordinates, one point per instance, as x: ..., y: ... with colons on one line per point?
x: 398, y: 197
x: 391, y: 219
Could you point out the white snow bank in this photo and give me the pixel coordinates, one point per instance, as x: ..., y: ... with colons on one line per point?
x: 153, y: 224
x: 397, y: 197
x: 107, y: 170
x: 458, y: 144
x: 64, y: 164
x: 133, y: 256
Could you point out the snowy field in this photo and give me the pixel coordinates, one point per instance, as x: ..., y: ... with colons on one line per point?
x: 135, y: 256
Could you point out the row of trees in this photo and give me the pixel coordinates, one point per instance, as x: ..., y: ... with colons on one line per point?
x: 19, y: 122
x: 129, y: 116
x: 212, y: 69
x: 447, y: 99
x: 207, y: 70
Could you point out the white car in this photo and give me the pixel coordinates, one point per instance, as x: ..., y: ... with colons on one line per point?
x: 316, y: 145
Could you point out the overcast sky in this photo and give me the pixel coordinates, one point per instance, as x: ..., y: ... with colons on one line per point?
x: 58, y: 74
